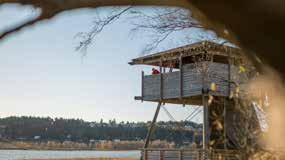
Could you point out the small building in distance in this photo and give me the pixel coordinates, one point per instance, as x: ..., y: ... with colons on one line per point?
x: 37, y: 137
x: 2, y: 131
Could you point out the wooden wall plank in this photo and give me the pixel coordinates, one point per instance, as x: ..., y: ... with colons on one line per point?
x: 191, y: 82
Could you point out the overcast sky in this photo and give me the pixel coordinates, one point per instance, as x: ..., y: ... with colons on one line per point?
x: 41, y: 74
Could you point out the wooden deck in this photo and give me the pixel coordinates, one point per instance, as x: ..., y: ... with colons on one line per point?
x: 190, y: 154
x: 188, y: 83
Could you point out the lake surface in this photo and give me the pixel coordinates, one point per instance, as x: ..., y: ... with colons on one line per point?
x: 35, y: 154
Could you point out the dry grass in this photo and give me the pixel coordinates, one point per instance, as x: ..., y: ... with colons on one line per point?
x: 91, y: 159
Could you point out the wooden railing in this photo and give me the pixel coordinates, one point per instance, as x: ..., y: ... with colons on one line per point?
x: 189, y: 82
x: 190, y: 154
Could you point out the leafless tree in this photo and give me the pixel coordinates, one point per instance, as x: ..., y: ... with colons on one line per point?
x: 51, y: 8
x: 159, y: 24
x: 262, y: 34
x: 99, y: 24
x: 162, y: 23
x: 242, y: 22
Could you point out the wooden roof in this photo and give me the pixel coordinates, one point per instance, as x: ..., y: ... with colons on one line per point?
x: 188, y: 50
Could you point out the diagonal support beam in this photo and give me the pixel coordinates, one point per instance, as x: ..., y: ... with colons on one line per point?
x: 152, y: 126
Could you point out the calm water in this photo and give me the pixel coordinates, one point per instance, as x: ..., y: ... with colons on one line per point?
x: 33, y: 154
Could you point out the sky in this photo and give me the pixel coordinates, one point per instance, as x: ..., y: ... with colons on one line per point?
x: 41, y: 73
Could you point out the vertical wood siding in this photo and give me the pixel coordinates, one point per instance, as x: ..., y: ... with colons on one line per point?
x: 192, y: 81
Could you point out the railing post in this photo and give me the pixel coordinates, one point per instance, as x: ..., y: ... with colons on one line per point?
x: 211, y: 154
x: 181, y: 155
x: 180, y: 77
x: 199, y: 155
x: 161, y: 81
x: 142, y: 89
x: 145, y: 155
x: 229, y: 74
x: 160, y: 155
x: 204, y: 155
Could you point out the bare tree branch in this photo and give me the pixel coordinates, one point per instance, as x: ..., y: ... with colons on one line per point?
x: 51, y: 8
x: 20, y: 26
x: 99, y: 25
x: 161, y: 24
x: 241, y: 19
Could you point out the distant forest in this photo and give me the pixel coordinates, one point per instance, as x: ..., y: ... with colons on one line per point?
x: 59, y: 129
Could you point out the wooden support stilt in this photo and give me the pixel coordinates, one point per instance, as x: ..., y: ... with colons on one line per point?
x: 206, y: 122
x: 151, y: 129
x: 205, y: 96
x: 224, y: 126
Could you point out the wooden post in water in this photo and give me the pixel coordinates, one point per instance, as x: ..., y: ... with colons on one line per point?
x: 151, y: 129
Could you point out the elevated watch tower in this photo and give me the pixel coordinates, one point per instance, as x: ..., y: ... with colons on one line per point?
x: 204, y: 74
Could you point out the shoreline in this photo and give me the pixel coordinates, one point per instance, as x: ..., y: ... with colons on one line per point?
x: 71, y: 145
x: 88, y: 159
x: 69, y: 155
x: 61, y: 149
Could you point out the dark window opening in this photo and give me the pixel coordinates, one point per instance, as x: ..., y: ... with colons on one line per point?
x: 220, y: 59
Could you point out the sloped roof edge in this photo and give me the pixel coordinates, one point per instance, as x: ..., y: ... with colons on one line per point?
x: 187, y: 50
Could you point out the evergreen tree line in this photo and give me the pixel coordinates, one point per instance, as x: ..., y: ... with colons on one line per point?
x: 60, y: 129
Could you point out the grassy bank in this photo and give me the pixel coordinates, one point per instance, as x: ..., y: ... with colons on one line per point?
x: 71, y: 145
x: 91, y: 159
